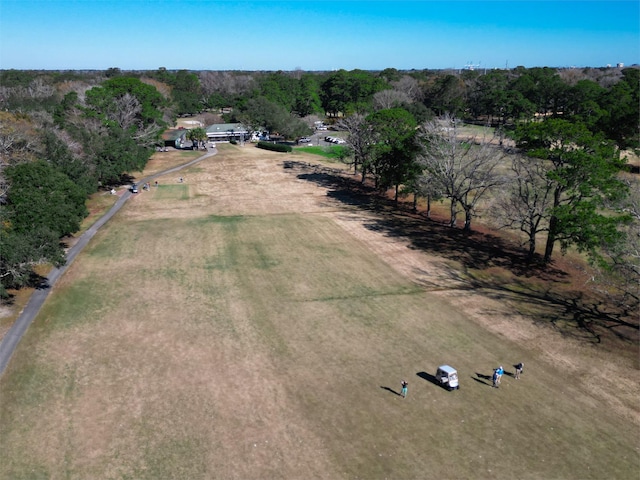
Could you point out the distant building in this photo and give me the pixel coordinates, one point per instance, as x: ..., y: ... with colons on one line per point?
x: 620, y: 65
x: 175, y: 137
x: 225, y: 132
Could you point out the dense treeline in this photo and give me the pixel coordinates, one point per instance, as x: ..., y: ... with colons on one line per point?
x: 64, y: 135
x: 606, y: 100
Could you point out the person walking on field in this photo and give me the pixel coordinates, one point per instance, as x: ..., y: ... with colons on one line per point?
x: 495, y: 378
x: 500, y: 372
x: 403, y: 392
x: 519, y: 368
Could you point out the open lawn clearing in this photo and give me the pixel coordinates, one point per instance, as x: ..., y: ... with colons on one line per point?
x: 330, y: 152
x: 98, y: 206
x: 245, y: 324
x: 161, y: 161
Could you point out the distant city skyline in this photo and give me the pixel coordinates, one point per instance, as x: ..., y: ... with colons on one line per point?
x: 320, y: 35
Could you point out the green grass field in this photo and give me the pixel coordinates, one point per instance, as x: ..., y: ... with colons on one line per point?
x: 199, y: 338
x: 331, y: 152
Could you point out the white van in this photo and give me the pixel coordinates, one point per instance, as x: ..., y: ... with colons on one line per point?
x: 447, y: 376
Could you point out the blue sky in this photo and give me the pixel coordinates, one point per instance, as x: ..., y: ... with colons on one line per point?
x: 320, y: 35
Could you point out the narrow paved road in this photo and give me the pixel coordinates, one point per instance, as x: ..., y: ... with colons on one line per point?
x: 17, y: 330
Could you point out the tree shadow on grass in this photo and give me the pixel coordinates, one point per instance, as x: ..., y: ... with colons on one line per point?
x: 572, y: 313
x: 37, y: 281
x: 474, y: 250
x: 7, y: 298
x: 479, y: 380
x: 125, y: 179
x: 390, y: 390
x: 429, y: 378
x: 33, y: 280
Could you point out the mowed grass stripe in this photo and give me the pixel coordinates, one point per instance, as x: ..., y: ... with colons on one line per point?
x: 271, y: 347
x: 163, y: 282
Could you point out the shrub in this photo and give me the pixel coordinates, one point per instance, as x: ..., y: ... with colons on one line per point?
x: 276, y: 147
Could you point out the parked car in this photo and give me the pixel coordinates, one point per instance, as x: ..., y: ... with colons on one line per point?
x: 447, y: 376
x: 304, y: 140
x: 134, y: 188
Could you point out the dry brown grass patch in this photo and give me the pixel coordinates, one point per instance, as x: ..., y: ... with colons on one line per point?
x: 247, y: 324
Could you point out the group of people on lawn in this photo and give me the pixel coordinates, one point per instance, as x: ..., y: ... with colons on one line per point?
x: 497, y: 376
x: 498, y: 372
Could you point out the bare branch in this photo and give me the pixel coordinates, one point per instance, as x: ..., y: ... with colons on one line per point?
x: 465, y: 169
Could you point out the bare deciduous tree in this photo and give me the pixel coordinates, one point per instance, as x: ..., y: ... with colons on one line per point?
x: 389, y: 99
x: 125, y: 111
x: 525, y: 205
x: 225, y: 82
x: 410, y: 87
x: 427, y: 187
x: 618, y: 278
x: 39, y: 89
x: 464, y: 168
x: 18, y: 144
x: 359, y: 138
x: 146, y: 136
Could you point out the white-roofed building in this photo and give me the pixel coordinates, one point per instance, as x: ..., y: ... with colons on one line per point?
x: 225, y: 132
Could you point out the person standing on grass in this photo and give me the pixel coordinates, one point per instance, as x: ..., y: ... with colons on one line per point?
x: 500, y: 372
x: 519, y: 368
x: 495, y: 378
x: 403, y: 392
